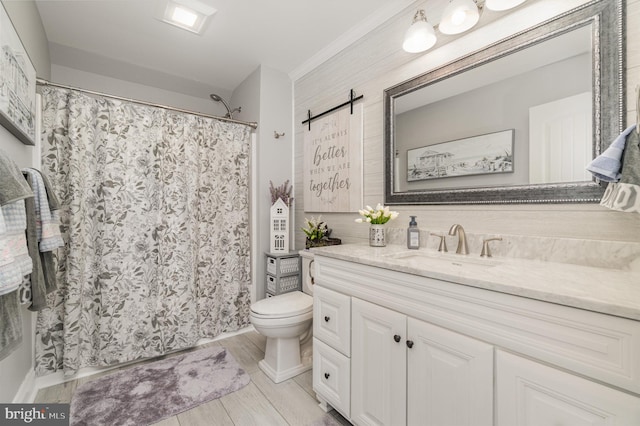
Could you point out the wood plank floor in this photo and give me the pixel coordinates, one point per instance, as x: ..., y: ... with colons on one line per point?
x: 261, y: 402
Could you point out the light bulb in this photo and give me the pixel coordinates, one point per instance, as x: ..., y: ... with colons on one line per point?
x: 458, y: 16
x: 420, y: 36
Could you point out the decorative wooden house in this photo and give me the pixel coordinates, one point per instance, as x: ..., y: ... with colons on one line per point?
x: 279, y: 227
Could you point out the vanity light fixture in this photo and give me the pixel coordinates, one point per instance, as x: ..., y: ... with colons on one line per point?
x: 190, y: 15
x: 420, y: 36
x: 459, y: 16
x: 499, y: 5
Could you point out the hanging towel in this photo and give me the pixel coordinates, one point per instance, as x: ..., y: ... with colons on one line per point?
x: 15, y: 223
x: 47, y: 235
x: 54, y: 204
x: 10, y: 271
x: 35, y: 286
x: 625, y: 194
x: 12, y: 185
x: 10, y: 324
x: 47, y: 221
x: 607, y: 165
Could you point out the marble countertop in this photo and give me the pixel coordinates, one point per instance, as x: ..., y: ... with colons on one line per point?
x: 613, y: 291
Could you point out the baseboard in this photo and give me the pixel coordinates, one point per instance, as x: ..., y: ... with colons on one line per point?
x: 27, y: 392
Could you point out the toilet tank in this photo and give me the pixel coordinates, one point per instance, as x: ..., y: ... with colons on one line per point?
x: 307, y: 271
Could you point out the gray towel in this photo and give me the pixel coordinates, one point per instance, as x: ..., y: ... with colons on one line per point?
x: 13, y: 187
x: 38, y: 284
x: 625, y: 194
x: 10, y: 324
x: 54, y: 204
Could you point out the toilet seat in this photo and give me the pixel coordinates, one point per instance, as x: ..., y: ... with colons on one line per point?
x: 285, y: 305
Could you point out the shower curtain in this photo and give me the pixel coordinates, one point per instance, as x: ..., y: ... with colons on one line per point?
x: 155, y: 222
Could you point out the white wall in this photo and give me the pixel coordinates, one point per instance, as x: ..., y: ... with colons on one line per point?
x: 16, y: 372
x: 377, y: 61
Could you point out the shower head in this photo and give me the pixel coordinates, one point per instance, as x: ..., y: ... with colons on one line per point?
x: 215, y: 97
x: 219, y: 98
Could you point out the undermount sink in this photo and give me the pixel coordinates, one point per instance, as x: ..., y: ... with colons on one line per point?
x: 451, y: 260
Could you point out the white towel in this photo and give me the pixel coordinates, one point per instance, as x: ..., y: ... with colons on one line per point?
x: 606, y: 166
x: 14, y: 256
x: 10, y: 272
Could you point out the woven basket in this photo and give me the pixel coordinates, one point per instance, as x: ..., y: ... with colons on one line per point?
x: 323, y: 242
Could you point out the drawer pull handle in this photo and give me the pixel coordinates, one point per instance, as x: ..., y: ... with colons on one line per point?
x: 326, y: 375
x: 326, y: 319
x: 409, y: 344
x: 397, y: 338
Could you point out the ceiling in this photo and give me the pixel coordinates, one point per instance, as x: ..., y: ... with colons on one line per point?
x: 122, y: 39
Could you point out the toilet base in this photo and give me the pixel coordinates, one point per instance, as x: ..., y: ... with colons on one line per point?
x: 281, y: 376
x: 283, y: 360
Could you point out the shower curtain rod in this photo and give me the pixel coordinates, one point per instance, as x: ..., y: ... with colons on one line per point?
x: 42, y: 82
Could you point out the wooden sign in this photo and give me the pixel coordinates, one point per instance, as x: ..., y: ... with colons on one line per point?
x: 333, y: 162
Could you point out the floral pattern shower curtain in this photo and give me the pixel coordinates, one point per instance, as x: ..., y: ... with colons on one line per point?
x: 155, y: 222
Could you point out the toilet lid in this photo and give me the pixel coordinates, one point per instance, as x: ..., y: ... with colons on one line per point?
x: 284, y: 305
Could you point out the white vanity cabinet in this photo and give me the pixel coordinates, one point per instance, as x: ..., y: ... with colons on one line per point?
x: 425, y: 351
x: 406, y: 371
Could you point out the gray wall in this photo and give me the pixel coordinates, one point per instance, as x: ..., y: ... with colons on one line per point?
x: 25, y: 17
x: 493, y: 108
x: 99, y: 83
x: 267, y: 94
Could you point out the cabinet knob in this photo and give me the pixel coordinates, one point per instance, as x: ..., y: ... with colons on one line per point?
x: 397, y: 338
x: 409, y: 344
x: 326, y: 375
x: 327, y: 318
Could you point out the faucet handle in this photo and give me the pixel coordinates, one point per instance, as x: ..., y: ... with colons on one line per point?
x: 443, y: 243
x: 486, y: 251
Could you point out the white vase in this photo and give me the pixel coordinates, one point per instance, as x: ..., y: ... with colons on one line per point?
x: 377, y: 236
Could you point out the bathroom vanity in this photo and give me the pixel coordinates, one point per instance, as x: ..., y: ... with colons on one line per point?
x: 419, y: 337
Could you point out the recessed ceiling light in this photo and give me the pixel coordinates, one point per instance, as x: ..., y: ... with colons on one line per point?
x: 184, y: 16
x: 190, y: 15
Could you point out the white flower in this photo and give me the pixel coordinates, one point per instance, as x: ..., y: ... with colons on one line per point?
x: 381, y: 215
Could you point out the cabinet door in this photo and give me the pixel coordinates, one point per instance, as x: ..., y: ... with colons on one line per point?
x: 450, y: 377
x: 529, y: 393
x: 378, y: 365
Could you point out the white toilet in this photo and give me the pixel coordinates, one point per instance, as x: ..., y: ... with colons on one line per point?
x: 285, y: 320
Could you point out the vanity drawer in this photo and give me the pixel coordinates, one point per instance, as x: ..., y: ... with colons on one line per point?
x: 332, y: 319
x: 332, y: 377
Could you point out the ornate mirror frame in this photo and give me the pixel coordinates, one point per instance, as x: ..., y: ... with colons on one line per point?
x: 607, y: 20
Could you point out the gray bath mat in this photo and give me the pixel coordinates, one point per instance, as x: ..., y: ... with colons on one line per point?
x: 151, y: 392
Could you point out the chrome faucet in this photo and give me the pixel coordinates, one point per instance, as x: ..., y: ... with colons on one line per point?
x: 462, y: 238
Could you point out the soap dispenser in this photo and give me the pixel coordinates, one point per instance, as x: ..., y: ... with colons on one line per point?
x: 413, y: 234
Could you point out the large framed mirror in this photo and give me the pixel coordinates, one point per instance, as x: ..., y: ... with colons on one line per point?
x: 516, y: 122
